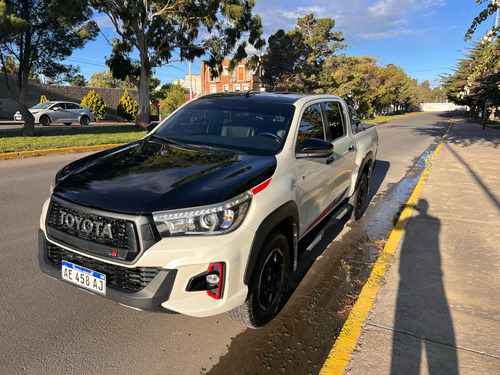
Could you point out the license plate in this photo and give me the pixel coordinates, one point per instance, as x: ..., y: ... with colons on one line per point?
x: 84, y: 277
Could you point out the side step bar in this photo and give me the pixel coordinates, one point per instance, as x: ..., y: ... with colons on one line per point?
x: 338, y: 215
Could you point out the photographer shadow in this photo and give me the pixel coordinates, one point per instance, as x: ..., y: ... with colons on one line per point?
x: 423, y: 321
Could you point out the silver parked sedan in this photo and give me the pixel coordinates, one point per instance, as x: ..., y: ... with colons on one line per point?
x: 65, y: 112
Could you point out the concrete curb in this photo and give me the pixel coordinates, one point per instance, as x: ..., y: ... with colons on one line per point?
x: 54, y: 151
x: 342, y: 350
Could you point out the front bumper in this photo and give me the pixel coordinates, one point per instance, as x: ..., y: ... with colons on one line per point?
x: 149, y: 299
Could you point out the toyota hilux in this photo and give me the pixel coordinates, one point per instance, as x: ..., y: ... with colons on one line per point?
x: 208, y: 213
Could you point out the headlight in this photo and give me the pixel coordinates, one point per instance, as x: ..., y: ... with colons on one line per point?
x: 215, y: 219
x: 52, y: 185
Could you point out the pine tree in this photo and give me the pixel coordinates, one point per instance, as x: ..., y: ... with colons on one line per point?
x: 43, y: 99
x: 127, y: 107
x: 96, y: 104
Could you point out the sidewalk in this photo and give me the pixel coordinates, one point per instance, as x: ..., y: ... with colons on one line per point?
x: 439, y: 310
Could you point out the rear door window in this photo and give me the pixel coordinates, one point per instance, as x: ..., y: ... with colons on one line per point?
x: 335, y: 119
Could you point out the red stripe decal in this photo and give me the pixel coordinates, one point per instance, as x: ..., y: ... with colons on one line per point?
x: 261, y: 187
x: 321, y: 215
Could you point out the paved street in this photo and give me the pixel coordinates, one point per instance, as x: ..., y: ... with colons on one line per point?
x: 50, y: 327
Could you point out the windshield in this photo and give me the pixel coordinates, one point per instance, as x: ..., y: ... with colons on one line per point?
x: 42, y: 105
x: 239, y: 124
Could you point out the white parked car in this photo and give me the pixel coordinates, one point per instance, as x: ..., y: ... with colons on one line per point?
x: 65, y: 112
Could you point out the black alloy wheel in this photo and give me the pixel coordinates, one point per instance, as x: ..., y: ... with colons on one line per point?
x: 271, y: 279
x: 359, y: 197
x: 268, y: 284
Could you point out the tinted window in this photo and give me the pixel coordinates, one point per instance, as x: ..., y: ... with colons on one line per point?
x: 72, y: 106
x: 335, y: 119
x: 238, y: 124
x: 311, y: 124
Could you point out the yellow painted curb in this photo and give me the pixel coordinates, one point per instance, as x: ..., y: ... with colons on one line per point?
x: 341, y: 352
x: 53, y: 151
x: 403, y: 116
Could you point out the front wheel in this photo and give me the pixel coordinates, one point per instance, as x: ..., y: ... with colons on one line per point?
x: 84, y: 120
x: 45, y: 120
x: 268, y: 286
x: 358, y: 199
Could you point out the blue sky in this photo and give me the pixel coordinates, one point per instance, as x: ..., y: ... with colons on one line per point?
x: 425, y: 37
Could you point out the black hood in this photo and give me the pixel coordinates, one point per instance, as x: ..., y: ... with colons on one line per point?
x: 148, y: 176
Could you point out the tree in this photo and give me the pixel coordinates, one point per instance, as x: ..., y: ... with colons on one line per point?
x: 159, y: 29
x: 39, y: 35
x: 94, y: 102
x: 43, y: 99
x: 488, y: 58
x: 78, y: 80
x: 127, y: 107
x: 295, y: 60
x: 466, y: 87
x: 176, y: 96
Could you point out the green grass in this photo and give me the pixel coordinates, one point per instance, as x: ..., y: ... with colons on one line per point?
x: 383, y: 118
x: 44, y: 139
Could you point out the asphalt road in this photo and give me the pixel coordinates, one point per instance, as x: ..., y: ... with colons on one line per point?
x: 48, y: 327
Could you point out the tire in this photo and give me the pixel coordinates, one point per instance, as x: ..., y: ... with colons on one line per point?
x: 84, y: 120
x: 268, y: 284
x: 45, y: 121
x: 67, y: 123
x: 358, y: 199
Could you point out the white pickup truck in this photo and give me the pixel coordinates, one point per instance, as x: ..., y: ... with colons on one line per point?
x: 209, y: 212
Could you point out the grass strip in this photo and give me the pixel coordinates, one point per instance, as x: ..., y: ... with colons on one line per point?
x: 72, y: 137
x: 385, y: 118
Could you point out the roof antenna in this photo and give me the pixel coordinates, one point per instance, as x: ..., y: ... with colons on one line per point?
x: 247, y: 94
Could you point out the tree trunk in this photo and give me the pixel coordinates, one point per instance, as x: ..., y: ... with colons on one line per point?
x: 144, y: 108
x: 29, y: 120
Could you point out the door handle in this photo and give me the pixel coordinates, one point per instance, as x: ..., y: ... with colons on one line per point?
x: 330, y: 160
x: 352, y: 148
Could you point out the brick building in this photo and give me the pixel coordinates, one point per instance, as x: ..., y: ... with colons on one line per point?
x: 241, y: 79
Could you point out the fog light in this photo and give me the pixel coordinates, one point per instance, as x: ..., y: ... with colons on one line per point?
x: 213, y: 279
x: 217, y: 270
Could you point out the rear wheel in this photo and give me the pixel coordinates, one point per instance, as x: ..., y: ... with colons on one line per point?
x: 45, y: 120
x: 358, y: 199
x: 84, y: 120
x: 268, y: 286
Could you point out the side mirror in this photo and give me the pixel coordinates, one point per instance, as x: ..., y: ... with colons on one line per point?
x: 151, y: 126
x: 315, y: 148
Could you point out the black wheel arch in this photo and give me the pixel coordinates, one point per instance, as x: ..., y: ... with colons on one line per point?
x: 284, y: 219
x: 366, y: 166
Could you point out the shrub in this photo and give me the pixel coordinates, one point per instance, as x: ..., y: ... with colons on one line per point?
x: 176, y: 96
x: 94, y: 102
x: 127, y: 107
x: 43, y: 99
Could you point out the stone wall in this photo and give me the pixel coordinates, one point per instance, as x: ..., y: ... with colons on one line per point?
x: 54, y: 92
